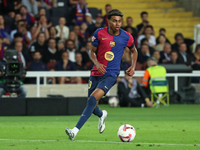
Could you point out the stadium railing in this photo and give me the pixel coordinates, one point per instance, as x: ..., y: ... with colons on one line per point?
x: 45, y: 74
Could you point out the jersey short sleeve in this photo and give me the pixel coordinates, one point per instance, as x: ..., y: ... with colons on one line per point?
x: 130, y: 43
x: 95, y: 40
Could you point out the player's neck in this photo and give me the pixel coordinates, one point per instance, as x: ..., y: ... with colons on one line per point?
x: 113, y: 32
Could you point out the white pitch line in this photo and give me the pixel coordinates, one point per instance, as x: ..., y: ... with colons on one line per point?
x: 98, y: 142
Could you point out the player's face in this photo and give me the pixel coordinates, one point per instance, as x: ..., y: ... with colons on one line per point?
x: 115, y: 23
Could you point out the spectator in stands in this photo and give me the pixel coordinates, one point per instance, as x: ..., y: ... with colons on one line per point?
x: 83, y: 33
x: 53, y: 33
x: 47, y: 3
x: 31, y: 5
x: 40, y: 45
x: 17, y: 17
x: 72, y: 3
x: 156, y: 55
x: 42, y: 27
x: 165, y: 54
x: 163, y: 32
x: 37, y: 65
x: 32, y: 31
x: 148, y: 34
x: 145, y: 22
x: 77, y: 15
x: 96, y: 25
x: 78, y: 62
x: 89, y: 20
x: 51, y: 55
x: 70, y: 48
x: 85, y: 54
x: 23, y: 58
x: 4, y: 31
x: 76, y: 29
x: 131, y: 94
x: 129, y: 30
x: 66, y: 65
x: 183, y: 56
x: 63, y: 30
x: 162, y: 40
x: 196, y: 62
x: 18, y: 37
x: 26, y: 16
x: 129, y: 24
x: 42, y: 12
x: 143, y: 54
x: 197, y: 53
x: 125, y: 60
x: 79, y: 40
x: 74, y: 37
x: 21, y: 27
x: 61, y: 46
x: 11, y: 6
x: 108, y: 8
x: 2, y: 48
x: 180, y: 39
x: 146, y: 41
x: 173, y: 57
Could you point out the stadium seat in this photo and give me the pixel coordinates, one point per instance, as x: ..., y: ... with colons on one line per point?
x: 161, y: 95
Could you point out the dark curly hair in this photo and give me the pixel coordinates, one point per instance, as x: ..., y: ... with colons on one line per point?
x: 114, y: 12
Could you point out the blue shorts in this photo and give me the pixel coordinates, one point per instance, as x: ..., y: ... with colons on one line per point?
x: 105, y: 83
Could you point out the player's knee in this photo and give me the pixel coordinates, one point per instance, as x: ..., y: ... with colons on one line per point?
x: 92, y: 101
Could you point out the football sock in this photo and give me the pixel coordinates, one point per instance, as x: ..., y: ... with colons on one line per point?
x: 98, y: 112
x: 87, y: 112
x: 75, y: 131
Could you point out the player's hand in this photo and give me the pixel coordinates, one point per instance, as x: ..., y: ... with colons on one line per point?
x: 130, y: 71
x: 101, y: 68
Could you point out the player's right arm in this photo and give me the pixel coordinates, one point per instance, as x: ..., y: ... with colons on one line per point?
x: 93, y: 57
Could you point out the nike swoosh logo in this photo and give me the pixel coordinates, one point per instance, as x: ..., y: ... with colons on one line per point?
x: 104, y: 38
x: 106, y: 87
x: 82, y: 115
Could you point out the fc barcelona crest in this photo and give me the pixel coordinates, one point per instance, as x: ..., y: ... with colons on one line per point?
x: 112, y: 44
x: 109, y: 56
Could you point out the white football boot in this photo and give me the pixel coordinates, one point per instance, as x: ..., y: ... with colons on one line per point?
x: 70, y: 134
x: 102, y: 125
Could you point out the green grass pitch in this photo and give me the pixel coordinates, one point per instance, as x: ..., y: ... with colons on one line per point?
x: 176, y: 127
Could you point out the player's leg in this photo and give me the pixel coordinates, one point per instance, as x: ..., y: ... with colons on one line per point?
x: 87, y: 112
x: 91, y: 103
x: 105, y: 84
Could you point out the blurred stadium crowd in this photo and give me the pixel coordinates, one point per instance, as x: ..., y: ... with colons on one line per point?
x: 52, y: 37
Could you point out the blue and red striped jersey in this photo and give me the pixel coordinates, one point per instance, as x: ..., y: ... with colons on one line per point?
x: 110, y: 49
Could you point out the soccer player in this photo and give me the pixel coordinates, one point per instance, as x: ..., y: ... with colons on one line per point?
x: 110, y: 42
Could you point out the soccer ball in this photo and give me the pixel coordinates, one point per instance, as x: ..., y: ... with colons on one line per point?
x: 113, y: 101
x: 126, y: 133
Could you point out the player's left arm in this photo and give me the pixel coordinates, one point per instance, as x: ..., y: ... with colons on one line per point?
x: 134, y: 54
